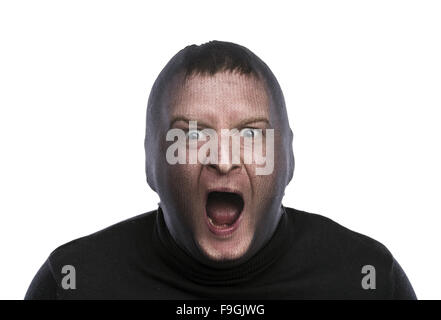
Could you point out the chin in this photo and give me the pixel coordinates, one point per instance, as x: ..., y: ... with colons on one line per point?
x: 228, y: 249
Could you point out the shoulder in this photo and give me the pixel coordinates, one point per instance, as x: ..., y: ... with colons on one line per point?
x: 342, y: 258
x: 94, y: 259
x: 116, y: 241
x: 322, y: 233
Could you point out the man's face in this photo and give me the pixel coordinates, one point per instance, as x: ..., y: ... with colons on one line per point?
x: 222, y: 210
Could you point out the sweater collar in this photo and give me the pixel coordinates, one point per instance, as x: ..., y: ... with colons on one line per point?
x: 219, y: 273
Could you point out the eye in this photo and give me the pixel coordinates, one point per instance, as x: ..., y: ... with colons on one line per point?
x: 250, y: 132
x: 195, y: 134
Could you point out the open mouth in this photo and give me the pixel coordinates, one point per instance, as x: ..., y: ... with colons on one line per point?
x: 223, y: 211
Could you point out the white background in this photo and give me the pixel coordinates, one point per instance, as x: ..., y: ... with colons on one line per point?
x: 362, y: 83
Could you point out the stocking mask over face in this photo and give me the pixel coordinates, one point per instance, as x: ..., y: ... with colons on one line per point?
x: 218, y: 210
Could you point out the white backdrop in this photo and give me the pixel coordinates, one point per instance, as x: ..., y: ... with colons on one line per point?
x: 361, y: 79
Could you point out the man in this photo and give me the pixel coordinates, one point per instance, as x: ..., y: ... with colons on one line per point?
x: 220, y: 230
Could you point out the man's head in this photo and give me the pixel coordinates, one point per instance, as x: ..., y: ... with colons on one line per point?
x: 218, y: 210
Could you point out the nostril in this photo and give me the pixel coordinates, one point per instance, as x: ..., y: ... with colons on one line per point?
x: 224, y: 168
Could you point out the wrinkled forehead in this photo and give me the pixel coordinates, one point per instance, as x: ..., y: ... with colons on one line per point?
x: 223, y: 99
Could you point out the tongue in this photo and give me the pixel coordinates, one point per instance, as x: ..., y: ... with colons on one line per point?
x: 222, y: 211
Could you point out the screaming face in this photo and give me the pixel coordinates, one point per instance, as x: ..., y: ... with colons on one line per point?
x: 220, y: 210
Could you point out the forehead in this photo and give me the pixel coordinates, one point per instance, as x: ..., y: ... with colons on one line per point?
x: 224, y: 97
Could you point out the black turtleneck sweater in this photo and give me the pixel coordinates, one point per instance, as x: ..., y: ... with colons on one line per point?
x: 308, y: 257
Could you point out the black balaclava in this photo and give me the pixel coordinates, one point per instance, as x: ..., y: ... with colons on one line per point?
x: 217, y: 83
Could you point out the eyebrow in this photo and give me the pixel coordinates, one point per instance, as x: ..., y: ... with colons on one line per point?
x: 241, y: 124
x: 245, y: 122
x: 185, y: 119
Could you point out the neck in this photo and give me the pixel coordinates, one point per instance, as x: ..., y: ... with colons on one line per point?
x: 202, y: 269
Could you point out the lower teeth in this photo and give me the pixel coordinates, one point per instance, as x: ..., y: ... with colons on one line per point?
x: 218, y: 225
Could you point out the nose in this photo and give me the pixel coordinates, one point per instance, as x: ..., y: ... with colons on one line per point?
x: 226, y: 162
x: 224, y: 168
